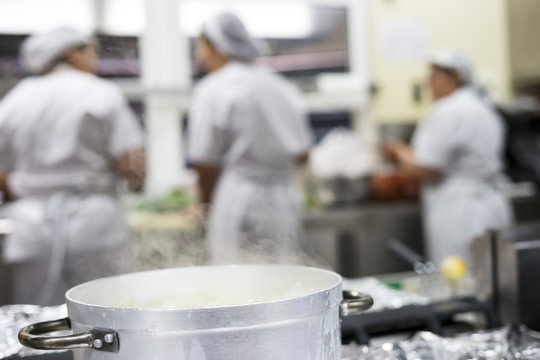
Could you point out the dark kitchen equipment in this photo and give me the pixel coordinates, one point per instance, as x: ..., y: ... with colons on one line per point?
x: 522, y: 150
x: 507, y: 267
x: 5, y: 229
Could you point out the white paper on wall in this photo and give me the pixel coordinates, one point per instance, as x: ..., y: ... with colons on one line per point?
x: 404, y: 40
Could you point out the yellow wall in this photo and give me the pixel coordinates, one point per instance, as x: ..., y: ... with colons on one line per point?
x: 524, y: 23
x: 479, y: 27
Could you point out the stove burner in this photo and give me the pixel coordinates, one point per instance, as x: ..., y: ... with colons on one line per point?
x: 433, y: 317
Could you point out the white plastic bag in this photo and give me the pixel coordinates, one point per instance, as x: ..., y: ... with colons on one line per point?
x: 342, y: 153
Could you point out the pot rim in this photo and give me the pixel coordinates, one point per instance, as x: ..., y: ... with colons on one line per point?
x: 201, y: 318
x: 69, y: 293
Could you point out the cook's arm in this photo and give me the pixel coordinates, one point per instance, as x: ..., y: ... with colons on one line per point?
x: 404, y: 155
x: 208, y: 176
x: 302, y: 159
x: 132, y: 167
x: 4, y: 187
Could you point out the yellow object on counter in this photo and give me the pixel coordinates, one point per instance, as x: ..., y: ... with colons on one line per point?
x: 453, y: 268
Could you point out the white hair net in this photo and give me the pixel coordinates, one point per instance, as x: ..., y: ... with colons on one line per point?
x: 456, y: 60
x: 227, y: 33
x: 39, y: 51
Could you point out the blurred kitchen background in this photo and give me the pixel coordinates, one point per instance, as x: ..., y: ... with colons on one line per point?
x: 361, y: 65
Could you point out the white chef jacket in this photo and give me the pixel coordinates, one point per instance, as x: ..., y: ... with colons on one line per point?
x: 463, y: 139
x: 252, y: 123
x: 59, y: 137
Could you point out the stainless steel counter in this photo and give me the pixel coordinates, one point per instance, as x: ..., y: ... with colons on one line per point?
x: 352, y: 240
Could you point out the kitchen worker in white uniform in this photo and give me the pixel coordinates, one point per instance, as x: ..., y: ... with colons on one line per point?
x: 457, y: 154
x: 66, y: 138
x: 248, y: 135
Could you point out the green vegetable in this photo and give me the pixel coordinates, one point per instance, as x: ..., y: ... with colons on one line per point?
x: 177, y: 199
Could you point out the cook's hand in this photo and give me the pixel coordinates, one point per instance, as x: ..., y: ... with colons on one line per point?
x: 5, y: 191
x: 391, y: 150
x: 198, y: 213
x: 399, y: 152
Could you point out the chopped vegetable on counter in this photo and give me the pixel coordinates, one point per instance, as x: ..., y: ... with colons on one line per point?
x: 176, y: 199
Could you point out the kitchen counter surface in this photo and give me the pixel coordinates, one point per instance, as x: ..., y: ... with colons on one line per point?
x: 352, y: 239
x: 351, y: 212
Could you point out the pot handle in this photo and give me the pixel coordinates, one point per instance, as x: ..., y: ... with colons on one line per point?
x: 98, y: 339
x: 354, y: 302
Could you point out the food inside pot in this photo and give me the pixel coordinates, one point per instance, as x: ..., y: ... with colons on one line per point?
x: 204, y: 287
x: 208, y: 298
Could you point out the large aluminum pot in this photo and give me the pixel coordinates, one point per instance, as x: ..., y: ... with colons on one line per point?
x: 234, y: 312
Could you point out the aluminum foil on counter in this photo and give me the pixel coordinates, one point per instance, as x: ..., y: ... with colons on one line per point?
x: 15, y: 317
x: 384, y: 298
x: 509, y: 343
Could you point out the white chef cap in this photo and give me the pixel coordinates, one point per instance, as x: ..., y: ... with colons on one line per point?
x: 227, y: 33
x: 454, y: 59
x: 40, y: 51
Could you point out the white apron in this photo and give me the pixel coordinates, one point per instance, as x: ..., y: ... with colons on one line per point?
x: 254, y: 220
x: 62, y: 239
x: 59, y: 137
x: 463, y: 140
x: 457, y: 211
x: 252, y: 124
